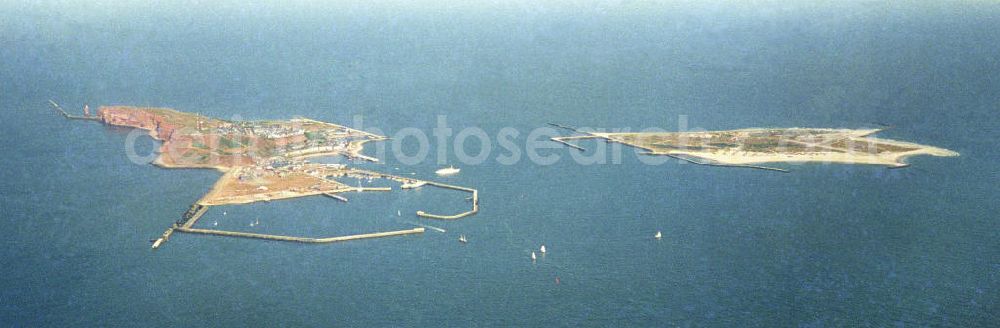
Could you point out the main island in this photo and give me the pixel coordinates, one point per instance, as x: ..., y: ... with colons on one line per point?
x: 260, y: 161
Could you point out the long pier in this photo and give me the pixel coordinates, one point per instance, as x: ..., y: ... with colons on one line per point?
x: 301, y: 239
x: 196, y: 211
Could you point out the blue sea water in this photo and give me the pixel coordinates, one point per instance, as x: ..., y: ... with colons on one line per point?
x: 821, y: 246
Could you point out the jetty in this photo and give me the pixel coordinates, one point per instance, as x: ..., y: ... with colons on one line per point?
x: 335, y: 196
x: 567, y: 144
x: 301, y: 239
x: 691, y: 160
x: 188, y: 219
x: 71, y: 116
x: 475, y: 203
x: 405, y: 180
x: 191, y: 216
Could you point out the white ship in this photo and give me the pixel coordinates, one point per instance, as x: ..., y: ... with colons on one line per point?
x: 447, y: 171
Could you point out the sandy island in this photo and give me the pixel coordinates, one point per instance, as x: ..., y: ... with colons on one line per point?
x: 746, y: 147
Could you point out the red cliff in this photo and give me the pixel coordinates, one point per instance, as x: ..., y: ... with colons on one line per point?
x: 138, y: 117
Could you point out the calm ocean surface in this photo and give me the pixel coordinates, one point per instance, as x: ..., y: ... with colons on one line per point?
x: 822, y: 246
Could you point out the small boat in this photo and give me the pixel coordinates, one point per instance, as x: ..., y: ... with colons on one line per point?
x: 658, y: 235
x: 215, y: 224
x: 223, y: 212
x: 533, y: 257
x: 399, y: 213
x: 448, y: 171
x: 462, y: 239
x: 542, y: 249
